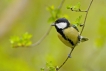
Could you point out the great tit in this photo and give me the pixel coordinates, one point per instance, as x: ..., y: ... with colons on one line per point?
x: 68, y: 33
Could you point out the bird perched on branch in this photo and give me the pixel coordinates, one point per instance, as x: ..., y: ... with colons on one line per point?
x: 68, y: 33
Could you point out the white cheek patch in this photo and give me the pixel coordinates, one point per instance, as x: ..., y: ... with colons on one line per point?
x: 61, y: 25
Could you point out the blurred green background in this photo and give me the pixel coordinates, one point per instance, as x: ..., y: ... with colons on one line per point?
x: 20, y: 16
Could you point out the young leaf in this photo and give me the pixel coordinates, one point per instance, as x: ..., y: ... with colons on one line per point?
x: 27, y: 36
x: 54, y: 12
x: 50, y: 66
x: 75, y: 8
x: 42, y: 69
x: 77, y: 21
x: 23, y: 41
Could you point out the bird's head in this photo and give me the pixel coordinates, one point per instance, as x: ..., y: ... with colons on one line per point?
x: 61, y: 23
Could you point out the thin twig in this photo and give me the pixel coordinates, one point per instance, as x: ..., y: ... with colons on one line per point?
x: 69, y: 56
x: 38, y: 42
x: 62, y: 64
x: 44, y: 36
x: 86, y: 17
x: 78, y: 10
x: 60, y: 6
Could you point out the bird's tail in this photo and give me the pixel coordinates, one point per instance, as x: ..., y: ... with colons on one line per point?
x: 83, y: 39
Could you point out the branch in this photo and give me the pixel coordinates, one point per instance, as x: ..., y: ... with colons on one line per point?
x: 86, y: 17
x: 44, y: 36
x: 60, y: 6
x: 77, y: 10
x: 69, y: 56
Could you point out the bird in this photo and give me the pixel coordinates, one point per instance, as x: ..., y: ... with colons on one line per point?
x: 68, y: 33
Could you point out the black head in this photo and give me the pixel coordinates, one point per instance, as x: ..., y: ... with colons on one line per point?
x: 61, y: 23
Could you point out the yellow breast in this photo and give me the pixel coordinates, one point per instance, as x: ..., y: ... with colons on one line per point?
x: 71, y: 34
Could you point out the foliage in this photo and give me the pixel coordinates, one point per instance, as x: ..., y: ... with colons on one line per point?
x: 23, y: 41
x: 34, y: 14
x: 77, y: 21
x: 55, y: 13
x: 75, y: 7
x: 49, y: 67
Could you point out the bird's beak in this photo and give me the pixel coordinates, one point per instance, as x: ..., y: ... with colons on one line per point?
x: 53, y: 24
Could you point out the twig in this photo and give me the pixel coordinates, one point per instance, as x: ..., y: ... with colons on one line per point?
x: 44, y: 36
x: 69, y: 56
x: 60, y: 6
x: 77, y: 10
x: 38, y: 42
x: 86, y: 17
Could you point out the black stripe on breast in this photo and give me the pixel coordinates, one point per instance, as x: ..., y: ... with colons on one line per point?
x: 61, y: 32
x: 70, y: 41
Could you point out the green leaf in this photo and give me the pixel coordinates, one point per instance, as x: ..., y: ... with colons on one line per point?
x: 42, y: 69
x: 54, y: 12
x: 50, y: 66
x: 77, y: 21
x: 28, y: 43
x: 76, y: 7
x: 50, y: 8
x: 27, y: 36
x: 65, y: 16
x: 51, y: 19
x: 14, y: 39
x: 69, y: 7
x: 23, y: 41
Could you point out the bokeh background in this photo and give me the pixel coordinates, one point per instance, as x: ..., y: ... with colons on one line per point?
x: 20, y: 16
